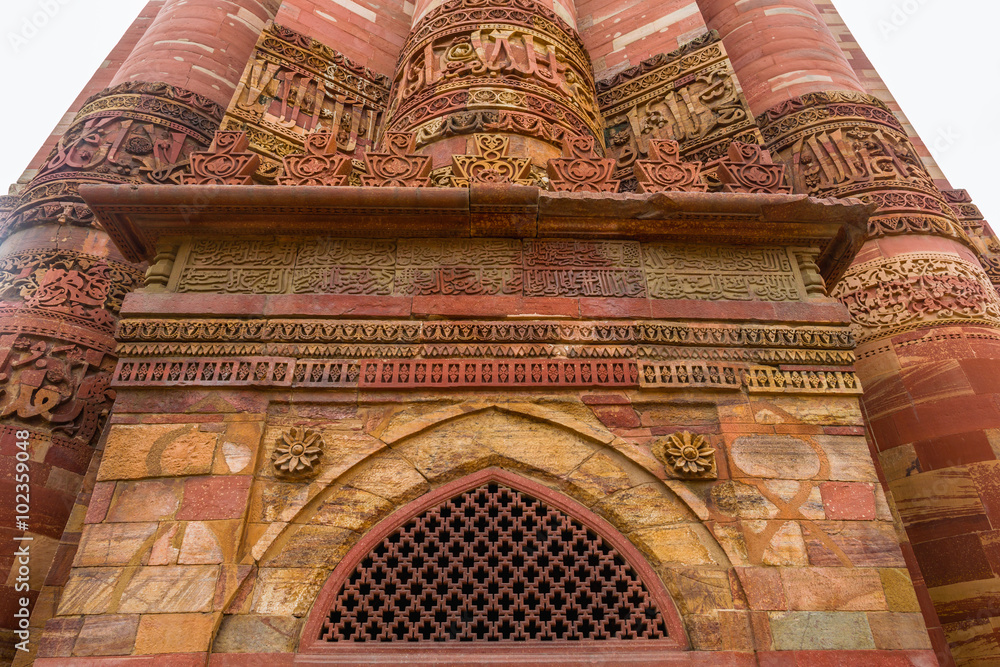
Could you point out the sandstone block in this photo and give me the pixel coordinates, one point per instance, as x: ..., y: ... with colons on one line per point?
x: 898, y: 587
x: 313, y: 547
x: 778, y: 456
x: 134, y: 451
x: 257, y: 634
x: 113, y: 634
x: 352, y: 509
x: 60, y: 636
x: 812, y: 630
x: 893, y: 631
x: 171, y: 588
x: 763, y: 588
x: 833, y: 589
x: 150, y: 500
x: 88, y: 590
x: 286, y: 591
x: 174, y: 633
x: 643, y: 506
x: 848, y: 500
x: 215, y: 497
x: 113, y: 543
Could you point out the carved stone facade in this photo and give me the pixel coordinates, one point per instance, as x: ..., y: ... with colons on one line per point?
x: 479, y: 357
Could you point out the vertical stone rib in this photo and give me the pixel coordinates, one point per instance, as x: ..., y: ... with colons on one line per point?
x: 925, y: 311
x: 62, y: 281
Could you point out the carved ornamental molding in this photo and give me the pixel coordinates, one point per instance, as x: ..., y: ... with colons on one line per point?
x: 890, y: 296
x: 138, y: 133
x: 488, y: 66
x: 847, y: 144
x: 293, y: 86
x: 690, y: 95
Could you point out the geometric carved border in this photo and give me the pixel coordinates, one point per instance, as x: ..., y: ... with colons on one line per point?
x: 489, y: 373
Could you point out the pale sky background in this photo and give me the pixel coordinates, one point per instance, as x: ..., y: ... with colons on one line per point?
x: 941, y: 69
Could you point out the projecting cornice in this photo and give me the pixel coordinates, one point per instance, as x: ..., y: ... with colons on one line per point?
x: 136, y: 217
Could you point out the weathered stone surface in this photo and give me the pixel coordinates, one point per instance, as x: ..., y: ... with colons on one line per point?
x: 253, y: 633
x: 896, y: 632
x: 803, y: 630
x: 174, y: 633
x: 849, y: 457
x: 113, y: 544
x: 602, y: 475
x: 89, y: 590
x: 391, y: 477
x: 201, y: 545
x: 780, y: 456
x: 674, y: 545
x: 60, y: 636
x: 157, y: 450
x: 833, y: 589
x: 742, y: 501
x: 175, y: 588
x: 899, y: 593
x: 149, y: 500
x: 351, y: 508
x: 642, y: 507
x: 286, y: 591
x: 699, y: 590
x: 312, y: 547
x: 111, y: 634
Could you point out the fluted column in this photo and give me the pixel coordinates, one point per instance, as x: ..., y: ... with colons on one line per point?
x: 926, y: 315
x: 62, y: 281
x: 516, y: 69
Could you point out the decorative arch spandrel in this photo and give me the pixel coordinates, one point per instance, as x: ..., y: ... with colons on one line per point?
x: 493, y: 562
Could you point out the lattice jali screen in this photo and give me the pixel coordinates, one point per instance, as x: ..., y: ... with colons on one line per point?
x: 492, y: 564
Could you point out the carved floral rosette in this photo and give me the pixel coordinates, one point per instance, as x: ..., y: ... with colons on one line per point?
x: 478, y: 66
x: 132, y: 133
x: 690, y: 95
x: 848, y: 144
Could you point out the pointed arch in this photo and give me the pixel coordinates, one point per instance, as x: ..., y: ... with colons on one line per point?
x: 493, y: 535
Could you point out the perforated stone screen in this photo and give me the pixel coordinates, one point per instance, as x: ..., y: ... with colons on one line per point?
x: 493, y: 564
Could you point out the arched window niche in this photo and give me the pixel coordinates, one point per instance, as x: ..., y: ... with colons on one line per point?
x: 493, y: 568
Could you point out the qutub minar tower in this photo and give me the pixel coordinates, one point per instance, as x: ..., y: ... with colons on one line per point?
x: 507, y: 331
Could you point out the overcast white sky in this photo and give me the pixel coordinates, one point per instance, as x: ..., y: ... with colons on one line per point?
x: 943, y: 72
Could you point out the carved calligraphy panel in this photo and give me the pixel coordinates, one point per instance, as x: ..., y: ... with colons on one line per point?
x: 711, y: 273
x: 294, y: 86
x: 493, y: 267
x: 459, y: 266
x: 495, y: 66
x: 64, y: 385
x: 690, y: 95
x: 583, y: 268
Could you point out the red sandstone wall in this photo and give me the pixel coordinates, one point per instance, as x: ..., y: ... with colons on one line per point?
x: 370, y: 33
x: 874, y: 84
x: 621, y: 34
x: 101, y: 80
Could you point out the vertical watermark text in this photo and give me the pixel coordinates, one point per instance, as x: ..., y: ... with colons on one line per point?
x: 22, y: 551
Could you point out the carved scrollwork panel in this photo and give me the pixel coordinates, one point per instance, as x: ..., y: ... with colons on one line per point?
x: 889, y: 296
